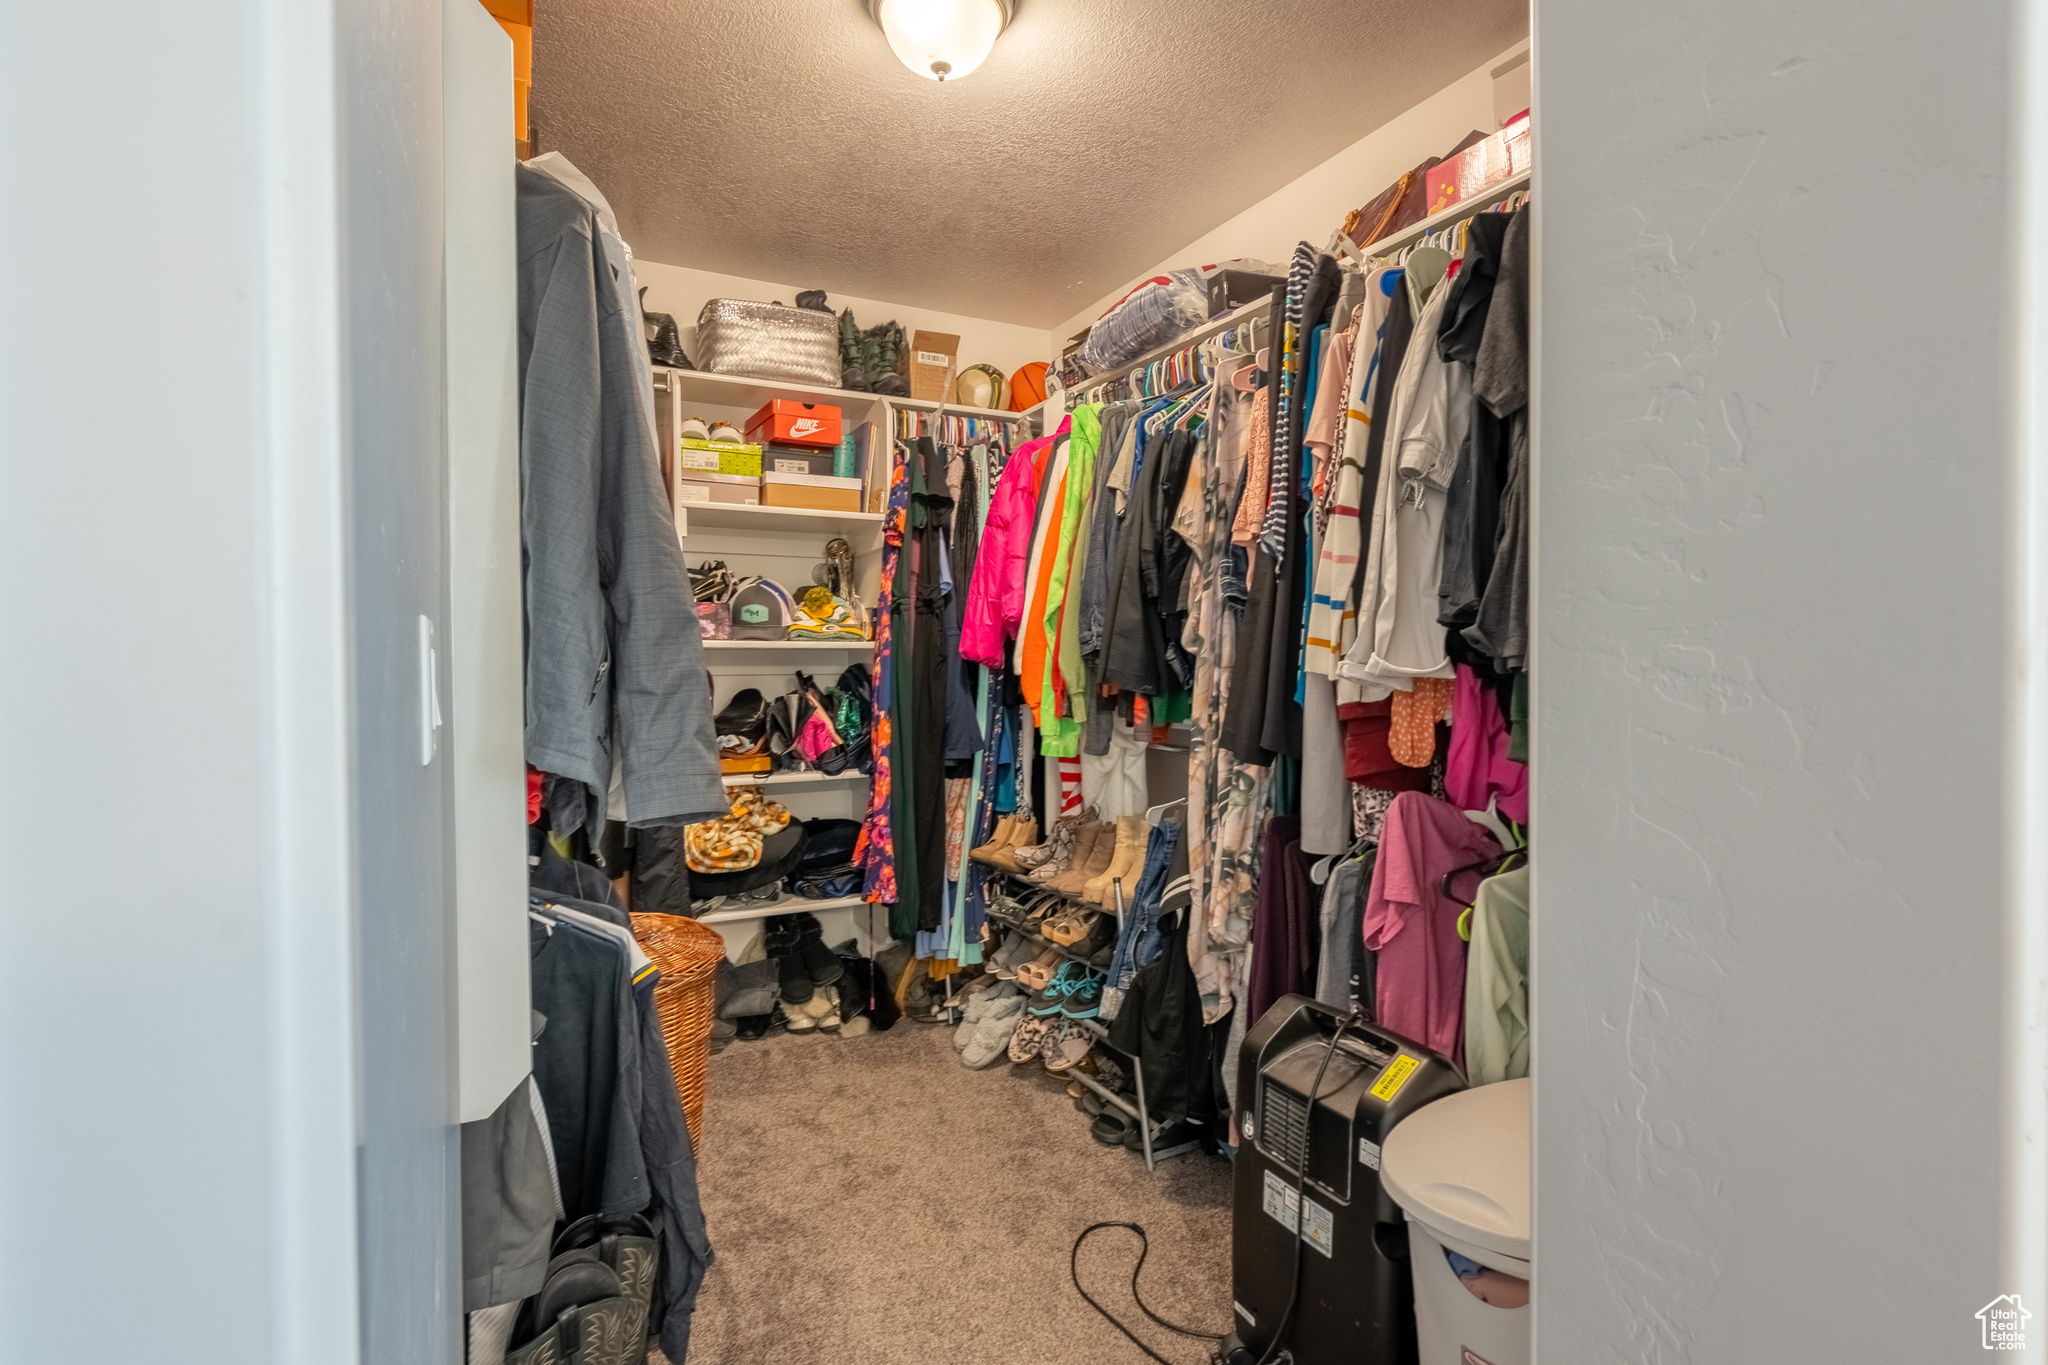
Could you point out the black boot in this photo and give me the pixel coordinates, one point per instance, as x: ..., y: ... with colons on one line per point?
x: 780, y: 940
x: 821, y: 964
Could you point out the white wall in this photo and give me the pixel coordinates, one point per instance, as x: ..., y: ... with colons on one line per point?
x: 1786, y: 962
x: 1312, y: 206
x: 177, y: 982
x: 682, y: 291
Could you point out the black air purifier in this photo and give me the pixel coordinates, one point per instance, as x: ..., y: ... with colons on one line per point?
x: 1356, y: 1303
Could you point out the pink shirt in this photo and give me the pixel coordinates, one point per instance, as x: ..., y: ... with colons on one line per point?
x: 1420, y: 991
x: 1478, y: 767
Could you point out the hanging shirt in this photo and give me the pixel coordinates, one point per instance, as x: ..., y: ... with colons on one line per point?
x: 1413, y: 927
x: 999, y: 563
x: 1032, y: 645
x: 1333, y: 613
x: 1063, y: 734
x: 1432, y: 408
x: 1497, y: 981
x: 1478, y: 769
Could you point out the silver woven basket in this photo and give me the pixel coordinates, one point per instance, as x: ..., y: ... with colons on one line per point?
x: 763, y: 341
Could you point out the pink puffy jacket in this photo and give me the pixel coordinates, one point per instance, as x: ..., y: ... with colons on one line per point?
x: 995, y: 598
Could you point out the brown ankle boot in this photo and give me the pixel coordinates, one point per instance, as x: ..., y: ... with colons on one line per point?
x: 1071, y: 840
x: 1023, y: 834
x: 1085, y: 869
x: 1132, y: 834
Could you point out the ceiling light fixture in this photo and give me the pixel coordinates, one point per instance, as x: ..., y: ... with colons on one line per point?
x: 941, y: 40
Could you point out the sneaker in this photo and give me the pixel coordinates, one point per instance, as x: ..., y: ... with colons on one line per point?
x: 1083, y: 999
x: 725, y: 431
x: 1049, y: 1001
x: 695, y: 428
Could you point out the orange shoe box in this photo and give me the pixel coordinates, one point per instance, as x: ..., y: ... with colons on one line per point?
x: 802, y: 424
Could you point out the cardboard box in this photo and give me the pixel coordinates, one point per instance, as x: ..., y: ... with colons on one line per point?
x: 718, y: 457
x: 817, y: 492
x: 779, y: 459
x: 1478, y: 168
x: 738, y: 490
x: 801, y: 424
x: 934, y: 360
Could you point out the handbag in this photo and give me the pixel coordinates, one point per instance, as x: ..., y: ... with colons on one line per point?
x: 853, y: 715
x: 768, y: 341
x: 1401, y: 204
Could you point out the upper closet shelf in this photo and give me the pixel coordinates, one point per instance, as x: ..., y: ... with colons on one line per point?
x: 732, y: 391
x: 1466, y: 208
x: 959, y: 409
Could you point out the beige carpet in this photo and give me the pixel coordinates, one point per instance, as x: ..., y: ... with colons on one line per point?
x: 873, y: 1202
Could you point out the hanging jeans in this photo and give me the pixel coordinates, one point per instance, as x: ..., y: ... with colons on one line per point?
x: 1138, y: 942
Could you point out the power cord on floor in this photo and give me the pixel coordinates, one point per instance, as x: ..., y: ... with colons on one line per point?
x: 1144, y: 1249
x: 1308, y: 1125
x: 1145, y: 1246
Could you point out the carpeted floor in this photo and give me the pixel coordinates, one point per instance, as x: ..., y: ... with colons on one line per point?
x: 871, y: 1201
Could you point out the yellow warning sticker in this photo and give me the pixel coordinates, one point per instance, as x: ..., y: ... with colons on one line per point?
x: 1394, y: 1077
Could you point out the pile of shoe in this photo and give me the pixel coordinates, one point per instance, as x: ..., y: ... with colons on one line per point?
x: 1081, y: 857
x: 1015, y: 831
x: 1102, y: 853
x: 807, y: 972
x: 986, y: 1022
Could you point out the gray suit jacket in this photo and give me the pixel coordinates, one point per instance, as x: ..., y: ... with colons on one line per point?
x: 611, y: 625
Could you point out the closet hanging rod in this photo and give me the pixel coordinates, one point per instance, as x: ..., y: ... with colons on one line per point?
x: 1437, y: 222
x: 1244, y: 314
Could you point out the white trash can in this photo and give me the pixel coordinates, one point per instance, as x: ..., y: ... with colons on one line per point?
x: 1459, y: 1169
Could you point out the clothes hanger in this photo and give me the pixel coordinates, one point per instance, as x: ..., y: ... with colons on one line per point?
x: 1499, y: 864
x: 1425, y: 266
x: 1152, y: 815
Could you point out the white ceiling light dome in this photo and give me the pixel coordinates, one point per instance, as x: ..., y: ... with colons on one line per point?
x: 941, y: 40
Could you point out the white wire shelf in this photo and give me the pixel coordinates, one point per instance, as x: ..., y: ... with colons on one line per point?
x: 788, y: 905
x: 792, y: 779
x: 692, y: 517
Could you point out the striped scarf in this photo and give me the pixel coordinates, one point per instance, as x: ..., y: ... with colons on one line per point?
x: 1280, y: 470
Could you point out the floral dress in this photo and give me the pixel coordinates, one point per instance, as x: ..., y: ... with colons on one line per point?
x: 1227, y: 799
x: 876, y: 849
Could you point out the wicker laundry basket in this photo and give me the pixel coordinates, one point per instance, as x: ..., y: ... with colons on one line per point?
x: 688, y: 955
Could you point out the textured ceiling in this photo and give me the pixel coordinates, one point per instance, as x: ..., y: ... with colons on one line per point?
x: 781, y: 139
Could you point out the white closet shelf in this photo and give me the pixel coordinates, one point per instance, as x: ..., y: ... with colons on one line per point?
x: 959, y: 409
x: 734, y: 391
x: 791, y: 779
x: 1463, y: 209
x: 788, y: 905
x: 727, y: 516
x: 801, y: 646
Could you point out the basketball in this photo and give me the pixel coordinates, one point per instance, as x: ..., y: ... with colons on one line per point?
x: 1027, y: 386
